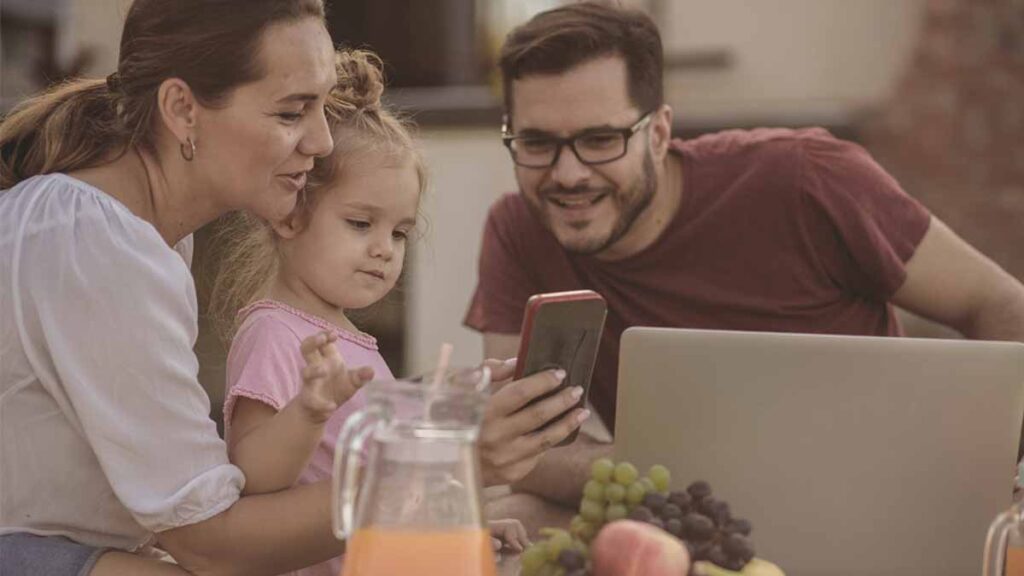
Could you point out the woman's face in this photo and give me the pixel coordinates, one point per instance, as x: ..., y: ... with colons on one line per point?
x: 253, y: 152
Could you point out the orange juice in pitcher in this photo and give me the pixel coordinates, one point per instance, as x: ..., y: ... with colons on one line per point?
x: 374, y: 552
x: 407, y: 480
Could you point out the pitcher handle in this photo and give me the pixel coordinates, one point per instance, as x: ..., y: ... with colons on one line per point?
x: 344, y: 480
x: 996, y: 541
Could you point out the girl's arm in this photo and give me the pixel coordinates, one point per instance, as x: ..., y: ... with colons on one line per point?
x: 272, y: 448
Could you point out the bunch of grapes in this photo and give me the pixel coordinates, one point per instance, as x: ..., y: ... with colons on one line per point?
x: 616, y: 491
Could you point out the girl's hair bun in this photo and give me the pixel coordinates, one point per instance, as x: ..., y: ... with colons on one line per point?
x: 360, y: 82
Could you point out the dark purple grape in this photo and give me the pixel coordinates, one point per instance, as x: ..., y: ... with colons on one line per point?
x: 655, y: 501
x: 717, y: 556
x: 719, y: 512
x: 698, y: 528
x: 657, y: 522
x: 700, y: 551
x: 681, y: 499
x: 674, y: 526
x: 738, y: 546
x: 699, y: 490
x: 641, y: 514
x: 706, y: 505
x: 739, y: 526
x: 670, y: 511
x: 734, y: 564
x: 571, y: 560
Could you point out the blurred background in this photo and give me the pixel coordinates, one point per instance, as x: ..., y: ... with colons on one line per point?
x: 933, y: 88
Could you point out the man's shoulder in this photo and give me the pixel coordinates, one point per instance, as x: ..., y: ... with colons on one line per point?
x: 510, y: 206
x: 780, y: 143
x: 511, y: 212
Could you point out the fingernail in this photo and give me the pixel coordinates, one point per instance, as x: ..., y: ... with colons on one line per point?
x: 576, y: 392
x: 559, y: 374
x: 583, y: 416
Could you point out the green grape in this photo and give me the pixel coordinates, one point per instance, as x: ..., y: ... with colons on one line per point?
x: 581, y: 547
x: 592, y: 511
x: 593, y: 490
x: 615, y: 493
x: 586, y: 531
x: 558, y: 541
x: 635, y: 493
x: 601, y: 470
x: 625, y: 473
x: 533, y: 558
x: 660, y: 476
x: 615, y: 512
x: 575, y: 523
x: 648, y: 484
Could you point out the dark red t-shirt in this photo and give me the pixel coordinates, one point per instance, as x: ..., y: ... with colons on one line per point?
x: 777, y: 230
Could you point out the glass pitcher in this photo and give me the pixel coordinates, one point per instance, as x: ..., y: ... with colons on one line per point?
x: 1004, y: 546
x: 407, y: 491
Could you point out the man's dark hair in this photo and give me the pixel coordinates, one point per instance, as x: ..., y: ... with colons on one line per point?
x: 557, y: 40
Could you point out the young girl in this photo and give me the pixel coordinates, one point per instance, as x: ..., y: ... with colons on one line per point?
x: 341, y: 249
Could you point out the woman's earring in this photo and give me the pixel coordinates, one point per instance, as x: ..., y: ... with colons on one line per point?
x: 188, y: 156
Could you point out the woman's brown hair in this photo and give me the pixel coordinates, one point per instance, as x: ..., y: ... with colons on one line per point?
x: 364, y: 130
x: 213, y: 45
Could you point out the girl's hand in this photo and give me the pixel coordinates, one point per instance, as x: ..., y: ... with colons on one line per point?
x: 326, y: 382
x: 510, y: 533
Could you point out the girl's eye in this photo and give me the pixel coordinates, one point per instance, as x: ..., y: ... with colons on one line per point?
x: 289, y: 116
x: 358, y: 224
x: 400, y: 235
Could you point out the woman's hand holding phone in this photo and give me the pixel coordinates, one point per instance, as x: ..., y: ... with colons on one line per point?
x: 513, y: 438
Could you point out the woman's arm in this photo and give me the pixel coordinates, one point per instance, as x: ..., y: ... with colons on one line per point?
x: 272, y: 448
x: 265, y: 534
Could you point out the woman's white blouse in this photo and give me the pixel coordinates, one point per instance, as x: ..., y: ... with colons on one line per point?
x: 105, y: 434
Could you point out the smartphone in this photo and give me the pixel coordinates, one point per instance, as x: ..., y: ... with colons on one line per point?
x: 562, y: 330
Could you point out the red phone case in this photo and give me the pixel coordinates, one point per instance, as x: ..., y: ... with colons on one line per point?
x: 533, y: 306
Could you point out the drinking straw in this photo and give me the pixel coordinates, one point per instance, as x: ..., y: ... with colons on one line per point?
x: 442, y: 364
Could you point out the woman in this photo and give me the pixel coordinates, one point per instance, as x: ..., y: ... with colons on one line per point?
x: 105, y: 441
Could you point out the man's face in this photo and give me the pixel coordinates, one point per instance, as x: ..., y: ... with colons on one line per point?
x: 587, y: 207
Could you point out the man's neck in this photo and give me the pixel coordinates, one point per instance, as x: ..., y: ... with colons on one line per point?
x: 656, y: 217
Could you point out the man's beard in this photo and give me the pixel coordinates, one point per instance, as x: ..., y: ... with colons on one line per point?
x: 629, y: 205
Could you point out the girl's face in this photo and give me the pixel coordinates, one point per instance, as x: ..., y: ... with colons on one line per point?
x: 253, y: 152
x: 350, y: 252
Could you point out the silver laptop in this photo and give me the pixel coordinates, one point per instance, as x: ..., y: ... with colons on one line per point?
x: 853, y: 456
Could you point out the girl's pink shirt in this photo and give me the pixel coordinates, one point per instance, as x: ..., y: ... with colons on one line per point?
x: 265, y: 364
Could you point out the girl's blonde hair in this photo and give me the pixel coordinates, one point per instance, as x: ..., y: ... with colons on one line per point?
x: 363, y: 128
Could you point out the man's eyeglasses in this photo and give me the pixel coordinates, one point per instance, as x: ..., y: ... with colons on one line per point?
x: 591, y: 146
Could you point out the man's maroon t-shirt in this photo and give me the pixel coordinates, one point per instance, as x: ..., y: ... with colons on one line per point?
x: 777, y: 230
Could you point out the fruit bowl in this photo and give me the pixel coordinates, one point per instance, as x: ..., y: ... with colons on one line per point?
x: 719, y: 542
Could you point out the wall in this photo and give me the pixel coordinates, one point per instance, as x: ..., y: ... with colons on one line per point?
x: 793, y: 59
x: 469, y: 169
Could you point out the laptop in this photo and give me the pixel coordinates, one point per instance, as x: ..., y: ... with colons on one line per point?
x: 852, y: 456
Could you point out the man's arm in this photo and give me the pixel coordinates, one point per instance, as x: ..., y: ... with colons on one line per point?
x: 561, y: 472
x: 500, y: 346
x: 950, y: 282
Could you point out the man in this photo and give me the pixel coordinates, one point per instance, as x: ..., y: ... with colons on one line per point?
x: 772, y: 230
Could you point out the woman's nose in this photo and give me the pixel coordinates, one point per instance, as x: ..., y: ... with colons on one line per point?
x: 317, y: 141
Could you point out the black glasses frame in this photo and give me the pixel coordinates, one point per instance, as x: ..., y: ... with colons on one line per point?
x: 508, y: 139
